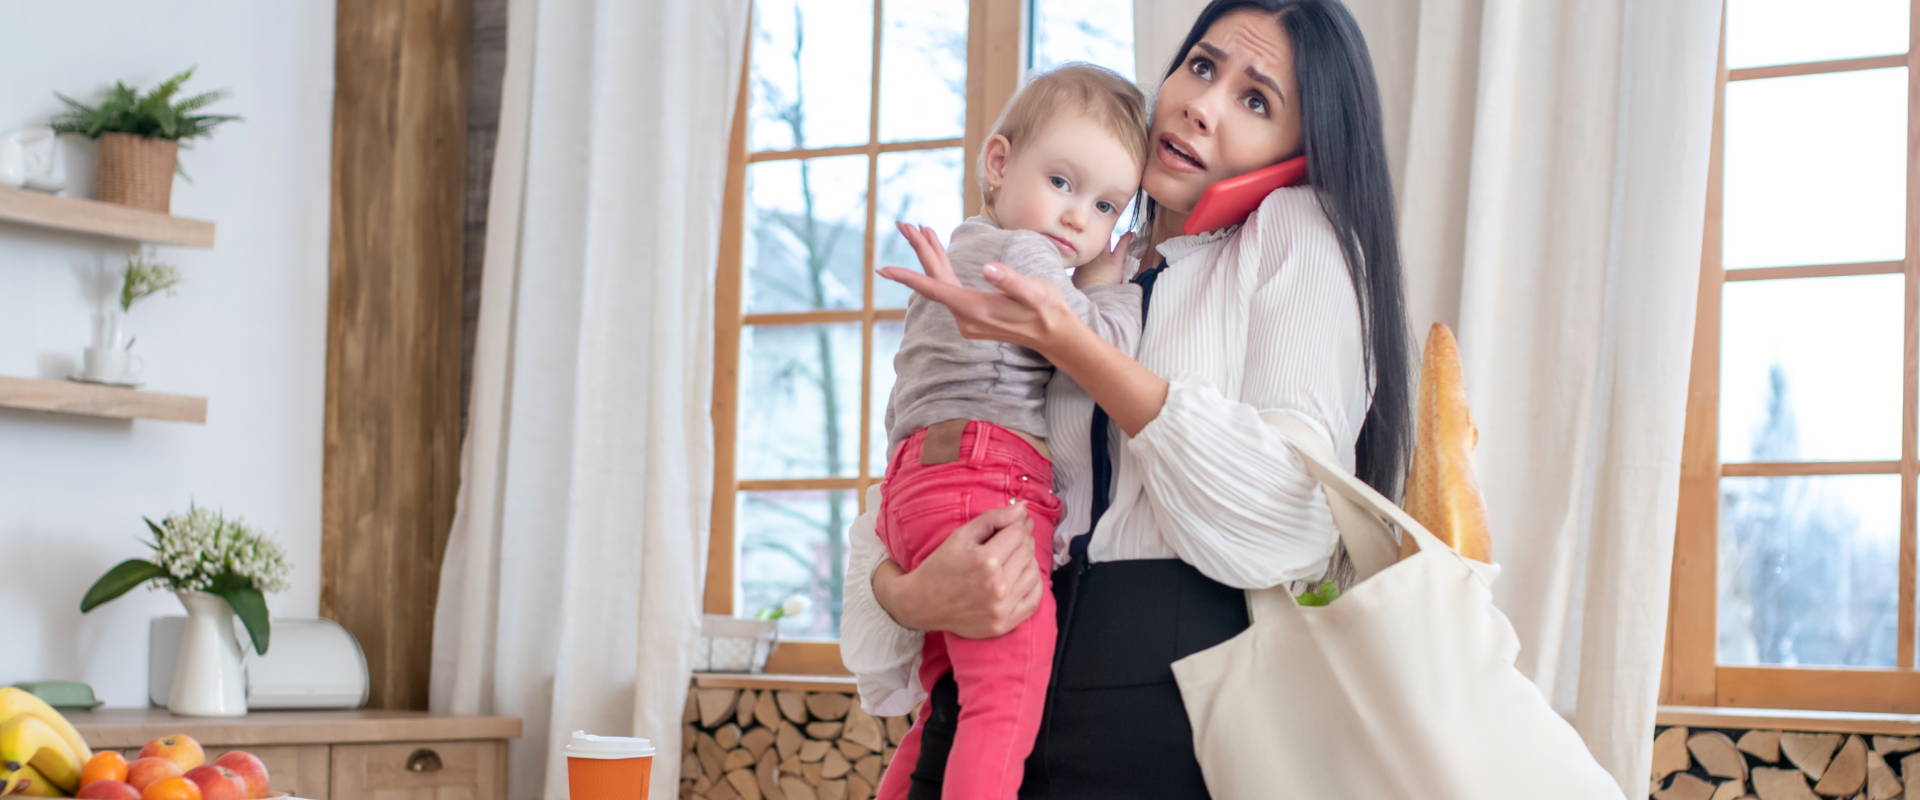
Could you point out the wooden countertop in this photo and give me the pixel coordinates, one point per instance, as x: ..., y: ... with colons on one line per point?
x: 106, y: 728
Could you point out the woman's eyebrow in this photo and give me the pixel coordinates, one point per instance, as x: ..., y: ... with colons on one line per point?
x: 1260, y: 77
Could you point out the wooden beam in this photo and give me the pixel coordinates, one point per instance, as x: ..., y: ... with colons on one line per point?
x: 995, y: 59
x: 1817, y: 271
x: 1816, y: 68
x: 1691, y: 620
x: 1877, y: 690
x: 856, y: 149
x: 721, y: 552
x: 1910, y: 416
x: 393, y: 329
x: 1794, y: 469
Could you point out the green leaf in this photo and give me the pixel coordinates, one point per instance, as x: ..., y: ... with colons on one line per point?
x: 119, y: 580
x: 157, y: 533
x: 1325, y: 594
x: 156, y: 114
x: 247, y: 602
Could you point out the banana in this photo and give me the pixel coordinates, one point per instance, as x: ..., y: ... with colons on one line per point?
x: 15, y: 701
x: 30, y: 783
x: 27, y: 740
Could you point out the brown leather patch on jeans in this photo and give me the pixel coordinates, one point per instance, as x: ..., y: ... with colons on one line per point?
x: 942, y: 445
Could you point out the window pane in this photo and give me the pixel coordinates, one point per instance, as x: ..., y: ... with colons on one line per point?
x: 799, y: 401
x: 921, y: 187
x: 923, y: 80
x: 886, y: 344
x: 1098, y: 31
x: 1816, y: 169
x: 1808, y: 570
x: 794, y: 543
x: 805, y: 220
x: 812, y: 73
x: 1766, y: 32
x: 1810, y: 369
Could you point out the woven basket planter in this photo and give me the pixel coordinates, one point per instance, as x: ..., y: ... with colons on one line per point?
x: 136, y: 171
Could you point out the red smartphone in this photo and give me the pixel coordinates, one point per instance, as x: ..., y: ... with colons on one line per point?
x: 1230, y: 201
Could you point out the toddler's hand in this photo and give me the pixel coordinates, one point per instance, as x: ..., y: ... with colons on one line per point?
x: 1106, y: 269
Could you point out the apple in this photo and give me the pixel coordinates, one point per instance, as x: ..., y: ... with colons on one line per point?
x: 179, y: 748
x: 108, y: 790
x: 251, y: 769
x: 218, y: 783
x: 145, y: 771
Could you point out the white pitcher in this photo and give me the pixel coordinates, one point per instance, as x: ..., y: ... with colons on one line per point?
x: 210, y: 679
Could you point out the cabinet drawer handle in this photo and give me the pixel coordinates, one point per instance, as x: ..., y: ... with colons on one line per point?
x: 423, y: 760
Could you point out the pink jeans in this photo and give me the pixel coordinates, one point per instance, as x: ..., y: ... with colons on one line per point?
x: 1002, y: 681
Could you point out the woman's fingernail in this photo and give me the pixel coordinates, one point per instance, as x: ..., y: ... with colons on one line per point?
x: 990, y: 271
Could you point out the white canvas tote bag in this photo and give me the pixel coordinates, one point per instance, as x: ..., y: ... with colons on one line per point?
x: 1404, y: 687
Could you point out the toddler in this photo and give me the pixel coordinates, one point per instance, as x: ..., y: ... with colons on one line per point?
x: 965, y: 420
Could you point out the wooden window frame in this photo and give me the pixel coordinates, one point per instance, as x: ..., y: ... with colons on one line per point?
x: 995, y: 55
x: 1692, y: 674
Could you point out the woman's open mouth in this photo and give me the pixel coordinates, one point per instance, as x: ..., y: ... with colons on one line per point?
x: 1177, y: 155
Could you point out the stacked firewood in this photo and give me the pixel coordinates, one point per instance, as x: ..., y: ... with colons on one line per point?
x: 1782, y: 765
x: 768, y: 744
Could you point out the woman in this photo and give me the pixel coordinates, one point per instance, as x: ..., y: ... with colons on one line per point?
x: 1298, y: 309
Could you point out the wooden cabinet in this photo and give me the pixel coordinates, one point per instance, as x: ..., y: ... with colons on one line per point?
x: 421, y: 771
x: 337, y: 755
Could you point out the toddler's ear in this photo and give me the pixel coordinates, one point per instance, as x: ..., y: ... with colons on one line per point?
x: 994, y: 157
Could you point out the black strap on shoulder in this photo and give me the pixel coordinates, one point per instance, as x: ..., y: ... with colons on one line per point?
x: 1102, y: 459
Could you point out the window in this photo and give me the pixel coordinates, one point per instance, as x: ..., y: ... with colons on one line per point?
x: 852, y: 114
x: 1793, y: 575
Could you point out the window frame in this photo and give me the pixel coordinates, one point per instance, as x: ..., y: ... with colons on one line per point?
x: 996, y: 47
x: 1692, y: 674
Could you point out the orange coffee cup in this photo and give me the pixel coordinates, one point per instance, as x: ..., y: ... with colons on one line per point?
x: 608, y: 767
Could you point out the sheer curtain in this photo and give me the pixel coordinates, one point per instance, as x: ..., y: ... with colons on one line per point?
x: 1551, y: 159
x: 570, y: 594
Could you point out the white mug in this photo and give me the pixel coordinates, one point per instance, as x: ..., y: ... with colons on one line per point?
x: 30, y: 158
x: 111, y: 365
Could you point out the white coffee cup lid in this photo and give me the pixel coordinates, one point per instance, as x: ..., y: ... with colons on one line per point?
x: 587, y: 745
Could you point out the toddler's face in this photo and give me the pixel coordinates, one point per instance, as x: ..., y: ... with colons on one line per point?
x: 1069, y: 182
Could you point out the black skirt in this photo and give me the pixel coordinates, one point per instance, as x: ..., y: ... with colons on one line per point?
x: 1114, y: 726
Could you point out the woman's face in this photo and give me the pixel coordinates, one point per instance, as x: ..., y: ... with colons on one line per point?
x: 1232, y: 106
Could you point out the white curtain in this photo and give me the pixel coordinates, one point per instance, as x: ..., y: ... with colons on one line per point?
x: 1551, y: 160
x: 571, y: 590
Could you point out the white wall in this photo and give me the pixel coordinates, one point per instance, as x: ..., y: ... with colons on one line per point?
x: 247, y: 329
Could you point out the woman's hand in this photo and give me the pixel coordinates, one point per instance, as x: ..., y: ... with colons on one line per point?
x: 1027, y: 312
x: 979, y: 583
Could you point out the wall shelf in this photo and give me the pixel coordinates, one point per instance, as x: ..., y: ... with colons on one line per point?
x: 93, y: 400
x: 102, y: 219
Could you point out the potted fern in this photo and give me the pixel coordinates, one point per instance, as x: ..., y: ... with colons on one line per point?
x: 140, y: 137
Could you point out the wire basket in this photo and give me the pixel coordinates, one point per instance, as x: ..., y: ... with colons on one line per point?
x: 731, y: 644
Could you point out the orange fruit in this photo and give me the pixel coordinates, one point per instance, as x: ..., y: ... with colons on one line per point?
x: 171, y: 789
x: 106, y: 765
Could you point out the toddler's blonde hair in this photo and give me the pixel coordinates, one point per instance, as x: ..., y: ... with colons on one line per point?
x: 1076, y: 87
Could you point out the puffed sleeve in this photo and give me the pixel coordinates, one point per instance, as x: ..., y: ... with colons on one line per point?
x: 1231, y: 498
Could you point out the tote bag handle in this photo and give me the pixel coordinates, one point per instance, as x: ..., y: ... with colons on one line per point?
x: 1365, y: 518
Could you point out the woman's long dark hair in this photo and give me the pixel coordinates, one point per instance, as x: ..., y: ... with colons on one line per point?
x: 1347, y: 167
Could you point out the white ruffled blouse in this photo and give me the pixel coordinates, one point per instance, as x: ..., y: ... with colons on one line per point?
x: 1258, y: 317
